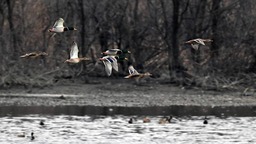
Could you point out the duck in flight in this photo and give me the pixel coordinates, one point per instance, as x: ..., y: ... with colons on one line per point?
x: 119, y: 54
x: 58, y: 27
x: 34, y: 54
x: 196, y: 42
x: 133, y: 73
x: 116, y: 52
x: 74, y: 55
x: 110, y: 62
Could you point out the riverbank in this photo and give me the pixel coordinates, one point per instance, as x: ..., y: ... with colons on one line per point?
x: 120, y: 92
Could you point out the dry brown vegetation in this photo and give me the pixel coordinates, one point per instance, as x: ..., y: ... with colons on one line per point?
x: 153, y: 30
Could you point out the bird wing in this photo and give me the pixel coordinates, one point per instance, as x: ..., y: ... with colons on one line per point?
x: 115, y: 64
x: 200, y: 41
x: 129, y: 76
x: 108, y: 67
x: 111, y: 51
x: 74, y: 51
x: 29, y: 54
x: 114, y: 50
x: 195, y: 46
x: 132, y: 70
x: 59, y: 23
x: 113, y: 61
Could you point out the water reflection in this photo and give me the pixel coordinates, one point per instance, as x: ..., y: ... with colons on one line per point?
x: 96, y: 110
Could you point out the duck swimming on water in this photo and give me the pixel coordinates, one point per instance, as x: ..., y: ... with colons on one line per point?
x: 165, y: 120
x: 205, y: 120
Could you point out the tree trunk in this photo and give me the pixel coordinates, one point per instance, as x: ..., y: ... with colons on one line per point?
x: 215, y: 21
x: 175, y: 25
x: 82, y: 31
x: 10, y: 5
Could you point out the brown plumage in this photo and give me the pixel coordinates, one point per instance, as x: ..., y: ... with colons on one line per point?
x: 196, y: 42
x: 34, y: 54
x: 146, y: 120
x: 134, y: 74
x: 165, y: 120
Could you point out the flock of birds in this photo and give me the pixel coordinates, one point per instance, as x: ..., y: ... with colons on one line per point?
x: 164, y: 120
x: 110, y: 58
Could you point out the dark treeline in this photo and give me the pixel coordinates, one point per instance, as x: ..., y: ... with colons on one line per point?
x: 153, y: 30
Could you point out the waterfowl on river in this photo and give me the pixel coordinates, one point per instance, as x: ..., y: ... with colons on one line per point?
x: 41, y: 123
x: 32, y: 136
x: 131, y: 120
x: 109, y: 63
x: 58, y: 27
x: 34, y: 54
x: 146, y: 120
x: 134, y: 74
x: 196, y: 42
x: 205, y: 120
x: 165, y: 120
x: 21, y: 135
x: 74, y: 54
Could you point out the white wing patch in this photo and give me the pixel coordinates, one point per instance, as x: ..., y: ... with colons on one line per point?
x: 199, y: 41
x: 132, y: 70
x: 115, y: 66
x: 109, y: 63
x: 74, y: 51
x: 195, y: 46
x: 59, y: 23
x: 108, y: 67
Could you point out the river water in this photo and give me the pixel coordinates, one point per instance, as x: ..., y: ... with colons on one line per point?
x: 113, y: 128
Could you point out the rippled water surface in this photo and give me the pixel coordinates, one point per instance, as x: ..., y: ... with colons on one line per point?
x: 116, y: 130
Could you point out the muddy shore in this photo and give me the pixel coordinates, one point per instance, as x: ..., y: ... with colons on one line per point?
x: 120, y: 92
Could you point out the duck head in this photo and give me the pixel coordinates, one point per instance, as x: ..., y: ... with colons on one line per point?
x: 131, y: 120
x: 169, y: 119
x: 126, y: 51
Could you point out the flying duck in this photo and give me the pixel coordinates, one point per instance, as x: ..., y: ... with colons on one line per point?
x: 109, y: 63
x: 196, y: 42
x: 115, y: 52
x: 74, y: 54
x: 34, y: 54
x: 134, y: 74
x: 58, y: 27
